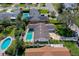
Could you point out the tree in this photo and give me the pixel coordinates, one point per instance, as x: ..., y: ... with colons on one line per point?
x: 59, y: 7
x: 66, y: 17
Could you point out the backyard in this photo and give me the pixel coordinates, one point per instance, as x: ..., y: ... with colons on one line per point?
x: 61, y: 29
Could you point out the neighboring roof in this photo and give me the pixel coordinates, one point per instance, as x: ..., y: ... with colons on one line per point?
x: 6, y: 14
x: 39, y: 18
x: 35, y: 16
x: 47, y: 51
x: 50, y: 26
x: 34, y: 12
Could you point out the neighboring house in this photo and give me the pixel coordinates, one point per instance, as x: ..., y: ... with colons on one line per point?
x: 70, y: 5
x: 5, y: 15
x: 43, y: 19
x: 36, y: 17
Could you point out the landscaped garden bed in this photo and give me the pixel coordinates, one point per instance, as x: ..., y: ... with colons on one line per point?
x: 43, y: 11
x: 53, y: 21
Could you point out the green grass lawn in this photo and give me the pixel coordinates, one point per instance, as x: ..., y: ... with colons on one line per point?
x: 12, y: 32
x: 56, y: 5
x: 6, y: 4
x: 42, y: 4
x: 21, y: 4
x: 72, y: 46
x: 77, y: 21
x: 52, y: 21
x: 3, y: 10
x: 63, y: 31
x: 43, y: 11
x: 1, y: 36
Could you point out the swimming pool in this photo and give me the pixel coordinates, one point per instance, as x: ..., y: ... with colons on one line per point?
x: 29, y: 36
x: 5, y: 43
x: 25, y: 15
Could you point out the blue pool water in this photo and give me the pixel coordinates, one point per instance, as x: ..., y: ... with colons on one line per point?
x: 5, y: 43
x: 29, y: 36
x: 25, y: 15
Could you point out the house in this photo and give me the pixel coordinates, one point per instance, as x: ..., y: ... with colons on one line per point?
x: 36, y: 17
x: 11, y: 15
x: 41, y: 31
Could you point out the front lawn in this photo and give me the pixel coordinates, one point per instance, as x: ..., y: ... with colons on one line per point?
x: 12, y: 32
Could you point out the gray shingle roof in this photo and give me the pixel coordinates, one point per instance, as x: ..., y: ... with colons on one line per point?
x: 41, y: 33
x: 5, y: 14
x: 39, y: 18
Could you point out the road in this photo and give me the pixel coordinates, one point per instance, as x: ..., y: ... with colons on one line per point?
x: 50, y: 7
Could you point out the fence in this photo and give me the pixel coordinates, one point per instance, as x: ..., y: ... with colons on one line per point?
x: 51, y: 45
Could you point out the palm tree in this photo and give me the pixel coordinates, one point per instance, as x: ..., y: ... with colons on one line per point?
x: 67, y: 18
x: 19, y: 42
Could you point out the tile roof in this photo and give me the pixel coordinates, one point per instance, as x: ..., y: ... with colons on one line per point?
x: 47, y: 51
